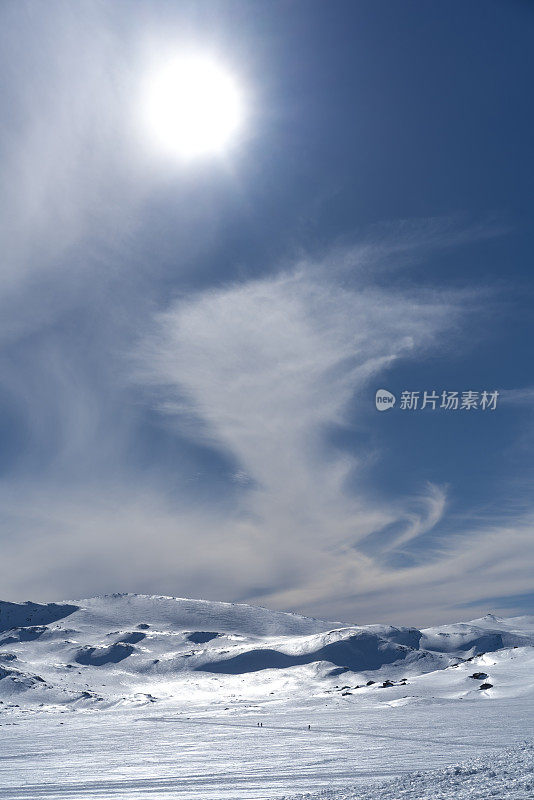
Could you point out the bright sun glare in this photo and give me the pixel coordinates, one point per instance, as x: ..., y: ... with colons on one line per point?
x: 194, y: 107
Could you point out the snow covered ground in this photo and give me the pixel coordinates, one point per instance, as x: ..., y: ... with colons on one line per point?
x: 508, y: 774
x: 134, y: 697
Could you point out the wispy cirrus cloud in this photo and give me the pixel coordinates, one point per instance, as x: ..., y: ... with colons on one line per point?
x: 261, y: 370
x: 518, y: 397
x: 265, y: 366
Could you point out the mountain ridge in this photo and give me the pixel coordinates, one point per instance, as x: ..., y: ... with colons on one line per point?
x: 124, y: 645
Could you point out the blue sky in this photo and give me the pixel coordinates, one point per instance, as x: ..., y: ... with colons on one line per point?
x: 190, y: 351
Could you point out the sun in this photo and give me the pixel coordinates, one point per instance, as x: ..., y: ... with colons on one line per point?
x: 193, y: 107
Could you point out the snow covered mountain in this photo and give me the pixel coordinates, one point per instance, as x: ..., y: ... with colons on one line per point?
x: 145, y: 673
x: 126, y: 647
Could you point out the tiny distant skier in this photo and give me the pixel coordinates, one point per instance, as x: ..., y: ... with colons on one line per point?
x: 309, y: 727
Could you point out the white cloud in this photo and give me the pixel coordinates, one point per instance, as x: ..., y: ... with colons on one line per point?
x: 429, y: 510
x: 265, y: 368
x: 523, y: 397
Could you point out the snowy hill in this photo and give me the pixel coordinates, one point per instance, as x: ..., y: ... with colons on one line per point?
x: 480, y: 635
x: 128, y: 646
x: 437, y: 694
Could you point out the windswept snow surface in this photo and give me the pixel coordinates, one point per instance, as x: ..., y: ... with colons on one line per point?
x: 132, y: 696
x: 507, y: 775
